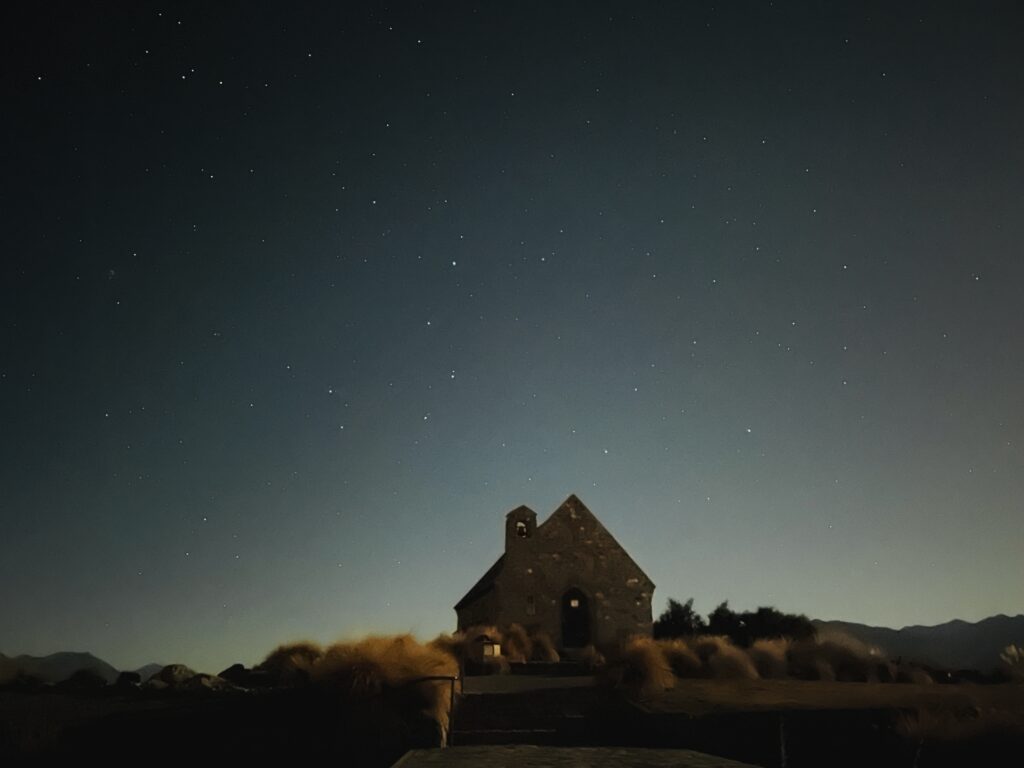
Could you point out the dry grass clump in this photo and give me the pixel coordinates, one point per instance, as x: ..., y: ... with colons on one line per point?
x: 838, y: 657
x: 379, y: 665
x: 460, y: 645
x: 1012, y: 661
x: 859, y: 647
x: 543, y: 648
x: 720, y: 658
x: 516, y: 644
x: 732, y: 663
x: 806, y: 662
x: 681, y: 658
x: 445, y: 643
x: 645, y: 671
x: 374, y: 673
x: 706, y: 646
x: 290, y: 664
x: 847, y: 663
x: 852, y: 660
x: 769, y: 657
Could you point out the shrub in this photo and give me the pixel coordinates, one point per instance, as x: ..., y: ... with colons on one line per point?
x: 678, y: 620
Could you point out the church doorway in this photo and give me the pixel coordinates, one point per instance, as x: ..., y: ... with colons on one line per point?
x: 575, y: 619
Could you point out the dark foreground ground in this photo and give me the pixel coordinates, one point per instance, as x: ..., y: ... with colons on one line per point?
x: 766, y: 723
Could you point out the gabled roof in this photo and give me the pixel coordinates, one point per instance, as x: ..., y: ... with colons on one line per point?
x: 483, y: 586
x: 574, y: 503
x: 486, y: 582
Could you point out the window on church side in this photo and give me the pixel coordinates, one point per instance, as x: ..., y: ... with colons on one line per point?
x: 521, y: 529
x: 531, y: 606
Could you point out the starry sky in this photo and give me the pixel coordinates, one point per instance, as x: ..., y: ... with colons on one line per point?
x: 298, y: 299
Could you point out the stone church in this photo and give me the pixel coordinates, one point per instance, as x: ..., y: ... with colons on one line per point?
x: 567, y: 577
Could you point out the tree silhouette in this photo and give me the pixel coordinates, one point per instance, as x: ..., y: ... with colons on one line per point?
x: 679, y: 620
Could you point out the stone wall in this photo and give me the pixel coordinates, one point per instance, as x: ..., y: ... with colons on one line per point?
x: 572, y: 549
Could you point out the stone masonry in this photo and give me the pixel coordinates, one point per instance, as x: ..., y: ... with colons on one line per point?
x: 567, y: 577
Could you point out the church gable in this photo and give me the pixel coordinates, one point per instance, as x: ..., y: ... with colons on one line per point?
x: 567, y: 577
x: 575, y: 528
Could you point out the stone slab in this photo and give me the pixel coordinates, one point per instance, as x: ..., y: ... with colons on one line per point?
x: 530, y: 756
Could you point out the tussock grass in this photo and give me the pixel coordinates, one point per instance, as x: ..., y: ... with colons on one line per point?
x: 1012, y: 661
x: 731, y: 663
x: 806, y: 661
x: 289, y: 664
x: 836, y: 657
x: 461, y: 644
x: 645, y: 670
x: 720, y: 658
x: 769, y: 657
x: 705, y: 646
x: 681, y: 658
x: 543, y: 648
x: 516, y: 645
x: 365, y: 673
x: 449, y: 644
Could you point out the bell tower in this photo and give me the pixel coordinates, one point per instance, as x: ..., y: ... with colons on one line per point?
x: 520, y: 526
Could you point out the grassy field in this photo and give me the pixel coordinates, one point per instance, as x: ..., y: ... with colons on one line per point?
x: 814, y: 722
x: 700, y: 697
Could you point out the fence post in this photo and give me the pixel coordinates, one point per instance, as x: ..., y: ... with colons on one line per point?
x: 782, y: 743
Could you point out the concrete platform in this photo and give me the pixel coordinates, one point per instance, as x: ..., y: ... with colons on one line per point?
x: 529, y: 756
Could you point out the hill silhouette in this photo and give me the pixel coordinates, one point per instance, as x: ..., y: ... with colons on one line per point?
x: 55, y: 667
x: 955, y: 644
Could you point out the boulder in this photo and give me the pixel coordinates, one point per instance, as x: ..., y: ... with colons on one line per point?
x: 128, y: 680
x: 237, y: 674
x: 174, y: 675
x: 204, y: 682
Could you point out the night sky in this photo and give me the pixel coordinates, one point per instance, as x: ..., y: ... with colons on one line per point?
x: 297, y: 301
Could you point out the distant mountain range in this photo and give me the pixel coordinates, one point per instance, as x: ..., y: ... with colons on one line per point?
x: 954, y: 645
x: 60, y: 666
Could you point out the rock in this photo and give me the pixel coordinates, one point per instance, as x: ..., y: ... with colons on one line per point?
x: 241, y: 677
x: 237, y: 674
x: 128, y: 680
x: 83, y: 680
x: 204, y: 682
x: 174, y: 675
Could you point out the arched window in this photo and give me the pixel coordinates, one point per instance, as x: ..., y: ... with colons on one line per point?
x: 521, y: 530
